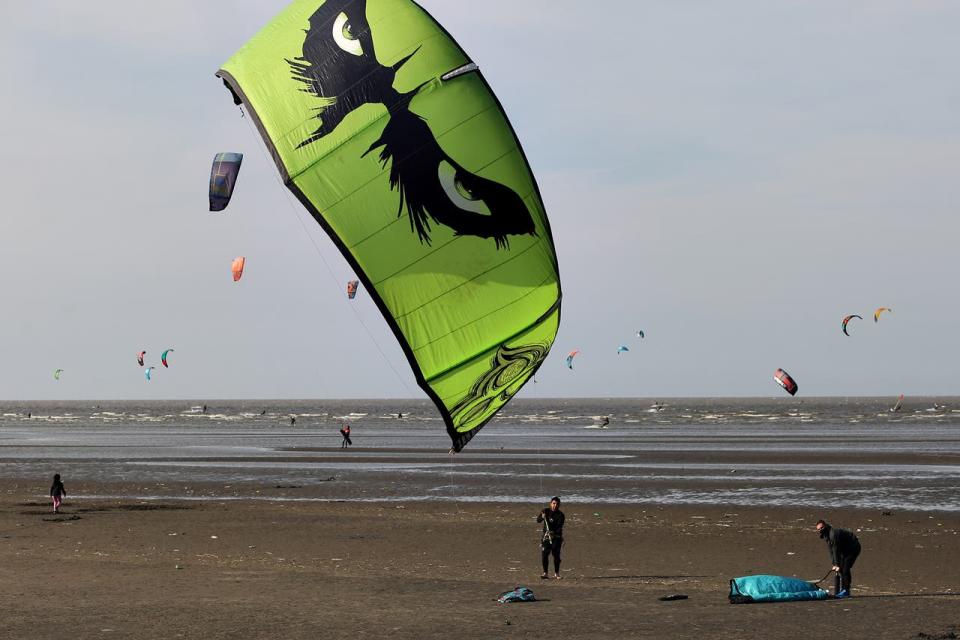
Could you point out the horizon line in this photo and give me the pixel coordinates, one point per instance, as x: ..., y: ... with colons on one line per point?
x: 525, y: 399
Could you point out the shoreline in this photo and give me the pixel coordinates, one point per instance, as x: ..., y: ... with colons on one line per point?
x: 469, y: 500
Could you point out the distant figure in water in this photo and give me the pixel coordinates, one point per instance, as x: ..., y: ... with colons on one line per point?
x: 29, y: 415
x: 400, y: 416
x: 844, y: 551
x: 899, y: 404
x: 606, y: 421
x: 552, y: 540
x: 345, y: 432
x: 204, y: 408
x: 57, y: 492
x: 293, y: 420
x: 264, y: 412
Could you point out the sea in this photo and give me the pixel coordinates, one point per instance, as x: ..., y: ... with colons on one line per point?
x: 841, y: 452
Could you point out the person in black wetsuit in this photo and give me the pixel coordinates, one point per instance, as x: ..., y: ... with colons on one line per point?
x: 844, y: 551
x: 552, y: 540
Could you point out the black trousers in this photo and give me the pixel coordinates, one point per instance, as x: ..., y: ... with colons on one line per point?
x: 844, y: 579
x: 548, y: 548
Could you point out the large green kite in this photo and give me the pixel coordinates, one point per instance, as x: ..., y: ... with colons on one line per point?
x: 389, y: 135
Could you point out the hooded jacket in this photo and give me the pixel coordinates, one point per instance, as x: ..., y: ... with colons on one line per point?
x: 842, y: 543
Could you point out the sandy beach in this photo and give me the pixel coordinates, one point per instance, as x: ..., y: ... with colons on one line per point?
x: 169, y: 568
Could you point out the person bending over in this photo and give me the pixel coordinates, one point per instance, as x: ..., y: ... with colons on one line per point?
x: 844, y: 550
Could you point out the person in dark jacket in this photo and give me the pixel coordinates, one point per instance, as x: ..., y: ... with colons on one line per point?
x: 844, y: 550
x: 57, y: 492
x: 552, y: 540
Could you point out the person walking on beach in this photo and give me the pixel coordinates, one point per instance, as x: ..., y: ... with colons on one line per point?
x: 345, y: 432
x: 57, y: 492
x: 552, y: 540
x: 844, y: 551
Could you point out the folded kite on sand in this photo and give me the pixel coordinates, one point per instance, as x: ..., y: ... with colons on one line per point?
x: 517, y: 594
x: 773, y: 589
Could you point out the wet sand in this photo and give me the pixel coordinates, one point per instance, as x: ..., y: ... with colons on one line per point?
x: 168, y: 568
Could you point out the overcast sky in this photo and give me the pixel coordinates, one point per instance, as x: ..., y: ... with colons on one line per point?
x: 732, y: 178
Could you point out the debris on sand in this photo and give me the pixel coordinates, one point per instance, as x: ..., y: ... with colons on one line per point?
x: 62, y: 518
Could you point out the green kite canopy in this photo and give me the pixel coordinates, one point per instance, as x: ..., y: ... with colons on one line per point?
x: 389, y: 135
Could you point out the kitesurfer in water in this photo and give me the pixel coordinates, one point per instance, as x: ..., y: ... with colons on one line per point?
x: 899, y: 404
x: 606, y: 421
x: 57, y: 492
x: 552, y: 539
x: 293, y: 420
x: 345, y: 432
x: 844, y: 550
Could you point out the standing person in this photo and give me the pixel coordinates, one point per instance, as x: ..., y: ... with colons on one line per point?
x: 844, y: 550
x: 345, y: 432
x: 552, y: 540
x: 57, y: 492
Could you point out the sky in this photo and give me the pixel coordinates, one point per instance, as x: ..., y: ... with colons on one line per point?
x: 732, y: 178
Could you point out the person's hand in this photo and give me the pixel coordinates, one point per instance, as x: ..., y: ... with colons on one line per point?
x: 835, y: 568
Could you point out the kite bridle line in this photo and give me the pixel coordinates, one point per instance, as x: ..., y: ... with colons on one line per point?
x: 296, y: 214
x: 539, y: 458
x: 453, y: 486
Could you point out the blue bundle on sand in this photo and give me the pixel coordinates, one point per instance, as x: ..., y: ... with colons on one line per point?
x: 773, y: 589
x: 519, y: 594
